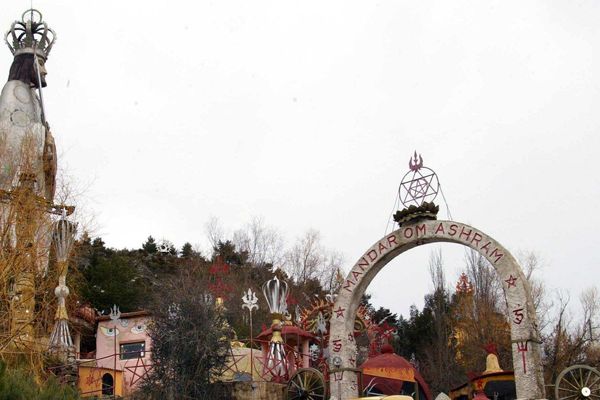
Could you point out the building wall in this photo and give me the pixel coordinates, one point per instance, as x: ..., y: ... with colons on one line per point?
x: 90, y: 381
x: 128, y: 330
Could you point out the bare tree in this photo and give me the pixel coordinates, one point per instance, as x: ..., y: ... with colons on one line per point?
x: 28, y: 271
x: 262, y: 243
x: 214, y: 231
x: 531, y: 264
x: 571, y: 341
x: 480, y: 316
x: 333, y: 272
x: 556, y: 346
x: 590, y: 301
x: 440, y: 355
x: 487, y: 288
x: 305, y: 258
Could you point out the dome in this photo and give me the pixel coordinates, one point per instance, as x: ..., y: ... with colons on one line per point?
x: 389, y: 373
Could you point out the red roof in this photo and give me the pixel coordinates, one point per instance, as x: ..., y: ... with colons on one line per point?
x: 389, y: 371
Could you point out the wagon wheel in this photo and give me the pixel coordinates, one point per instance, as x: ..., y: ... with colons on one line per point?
x: 306, y: 384
x: 578, y: 382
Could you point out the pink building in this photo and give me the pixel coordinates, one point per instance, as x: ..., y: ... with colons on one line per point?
x: 122, y: 346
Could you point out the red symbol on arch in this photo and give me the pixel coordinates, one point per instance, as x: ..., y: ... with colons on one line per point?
x: 511, y: 281
x: 337, y: 345
x: 518, y: 316
x: 339, y: 313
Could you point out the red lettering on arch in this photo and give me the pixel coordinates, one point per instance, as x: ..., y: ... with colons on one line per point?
x: 392, y: 239
x: 406, y: 230
x: 381, y: 247
x: 422, y: 229
x: 440, y: 228
x: 476, y: 238
x: 453, y: 229
x: 348, y: 284
x: 496, y: 254
x: 372, y: 255
x: 486, y: 247
x: 363, y: 263
x: 356, y: 274
x: 463, y: 233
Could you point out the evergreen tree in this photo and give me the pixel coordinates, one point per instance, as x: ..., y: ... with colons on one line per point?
x: 108, y: 277
x: 150, y: 246
x: 187, y: 251
x: 228, y: 253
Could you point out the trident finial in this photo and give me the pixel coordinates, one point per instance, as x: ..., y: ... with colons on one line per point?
x: 115, y: 313
x: 415, y: 164
x: 250, y: 300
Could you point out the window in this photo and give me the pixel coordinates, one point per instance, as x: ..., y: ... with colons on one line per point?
x: 132, y: 350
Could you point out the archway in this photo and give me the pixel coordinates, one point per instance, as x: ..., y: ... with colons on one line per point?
x: 521, y: 313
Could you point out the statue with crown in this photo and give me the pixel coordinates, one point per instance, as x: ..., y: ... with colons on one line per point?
x: 28, y: 150
x: 27, y: 187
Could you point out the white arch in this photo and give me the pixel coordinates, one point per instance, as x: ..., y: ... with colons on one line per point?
x: 521, y: 313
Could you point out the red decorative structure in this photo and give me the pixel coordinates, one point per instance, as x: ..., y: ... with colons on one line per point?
x: 296, y: 344
x: 419, y: 185
x: 379, y: 336
x: 217, y: 286
x: 464, y: 285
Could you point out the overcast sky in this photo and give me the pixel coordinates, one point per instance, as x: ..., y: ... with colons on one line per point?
x: 306, y: 113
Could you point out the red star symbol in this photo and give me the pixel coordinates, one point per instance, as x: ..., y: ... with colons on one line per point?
x: 511, y: 281
x: 339, y: 313
x: 140, y: 370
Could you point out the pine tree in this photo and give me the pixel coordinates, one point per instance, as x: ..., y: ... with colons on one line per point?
x: 150, y: 246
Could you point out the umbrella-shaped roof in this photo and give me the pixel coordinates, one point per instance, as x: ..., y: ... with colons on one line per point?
x: 389, y: 371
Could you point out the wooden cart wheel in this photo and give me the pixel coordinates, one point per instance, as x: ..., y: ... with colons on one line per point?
x: 306, y: 384
x: 578, y: 382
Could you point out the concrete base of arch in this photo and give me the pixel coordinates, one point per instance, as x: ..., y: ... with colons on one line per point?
x: 343, y: 382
